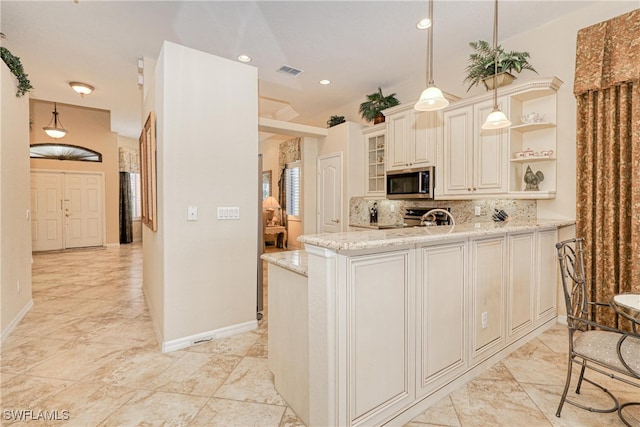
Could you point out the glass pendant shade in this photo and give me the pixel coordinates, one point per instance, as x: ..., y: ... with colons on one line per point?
x: 431, y: 99
x: 81, y: 88
x: 55, y: 131
x: 496, y: 120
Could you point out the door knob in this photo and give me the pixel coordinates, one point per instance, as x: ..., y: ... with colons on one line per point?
x: 337, y: 221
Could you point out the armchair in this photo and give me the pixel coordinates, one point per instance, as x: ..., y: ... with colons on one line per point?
x: 609, y: 351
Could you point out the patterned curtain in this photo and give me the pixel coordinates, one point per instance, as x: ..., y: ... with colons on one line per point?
x: 129, y: 160
x: 126, y: 219
x: 607, y: 90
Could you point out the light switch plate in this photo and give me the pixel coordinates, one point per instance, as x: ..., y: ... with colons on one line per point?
x: 192, y: 213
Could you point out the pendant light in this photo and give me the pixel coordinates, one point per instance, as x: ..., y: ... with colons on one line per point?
x: 431, y: 98
x: 55, y: 131
x: 496, y: 119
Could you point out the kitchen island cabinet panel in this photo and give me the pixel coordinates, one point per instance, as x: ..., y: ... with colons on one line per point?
x: 441, y: 314
x: 547, y: 277
x: 522, y: 262
x: 380, y: 351
x: 488, y: 296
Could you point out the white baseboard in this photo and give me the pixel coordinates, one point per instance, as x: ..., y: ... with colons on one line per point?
x: 562, y: 319
x: 16, y: 320
x: 227, y: 331
x: 111, y: 245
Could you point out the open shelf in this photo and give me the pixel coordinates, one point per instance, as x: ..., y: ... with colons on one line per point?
x: 528, y: 127
x: 533, y: 159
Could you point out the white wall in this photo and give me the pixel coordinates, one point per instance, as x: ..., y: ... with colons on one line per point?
x: 15, y: 226
x: 207, y: 151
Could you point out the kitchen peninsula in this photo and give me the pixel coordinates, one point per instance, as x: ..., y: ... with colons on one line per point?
x: 387, y: 322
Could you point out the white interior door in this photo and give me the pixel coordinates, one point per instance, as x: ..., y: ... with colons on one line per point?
x: 330, y: 218
x: 46, y: 211
x: 83, y: 210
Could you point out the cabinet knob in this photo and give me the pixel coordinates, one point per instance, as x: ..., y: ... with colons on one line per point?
x: 468, y: 189
x: 337, y: 221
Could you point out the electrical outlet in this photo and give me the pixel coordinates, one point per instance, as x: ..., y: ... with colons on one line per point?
x: 18, y: 286
x: 393, y: 208
x: 478, y: 211
x: 485, y: 320
x: 192, y: 213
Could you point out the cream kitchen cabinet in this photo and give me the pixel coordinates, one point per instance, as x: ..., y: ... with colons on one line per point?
x: 521, y: 284
x: 375, y: 170
x: 441, y: 297
x: 412, y: 137
x: 488, y: 289
x: 474, y: 161
x: 547, y: 275
x: 380, y: 342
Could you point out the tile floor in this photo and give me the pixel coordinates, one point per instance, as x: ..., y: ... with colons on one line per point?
x: 86, y: 353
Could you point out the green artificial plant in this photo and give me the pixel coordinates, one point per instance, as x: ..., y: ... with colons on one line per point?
x: 335, y: 120
x: 15, y: 66
x: 376, y: 102
x: 482, y: 62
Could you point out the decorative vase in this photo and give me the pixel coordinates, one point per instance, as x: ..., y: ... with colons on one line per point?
x: 378, y: 119
x: 503, y: 79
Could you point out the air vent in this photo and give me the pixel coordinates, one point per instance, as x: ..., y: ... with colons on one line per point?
x: 289, y: 70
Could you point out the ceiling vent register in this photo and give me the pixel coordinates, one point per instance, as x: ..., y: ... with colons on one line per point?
x: 285, y: 69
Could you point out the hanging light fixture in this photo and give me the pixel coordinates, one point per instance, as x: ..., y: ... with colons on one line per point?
x: 496, y: 119
x: 55, y: 131
x: 431, y: 98
x: 81, y: 88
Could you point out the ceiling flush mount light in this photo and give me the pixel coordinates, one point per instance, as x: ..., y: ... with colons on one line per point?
x: 431, y: 98
x: 325, y: 82
x: 497, y: 119
x: 81, y: 88
x: 244, y: 58
x: 55, y: 131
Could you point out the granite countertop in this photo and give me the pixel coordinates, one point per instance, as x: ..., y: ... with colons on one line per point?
x: 295, y: 261
x: 375, y: 238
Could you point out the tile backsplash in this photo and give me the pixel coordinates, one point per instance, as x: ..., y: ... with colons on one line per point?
x: 462, y: 210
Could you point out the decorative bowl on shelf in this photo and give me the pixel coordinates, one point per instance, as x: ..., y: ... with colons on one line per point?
x: 532, y: 118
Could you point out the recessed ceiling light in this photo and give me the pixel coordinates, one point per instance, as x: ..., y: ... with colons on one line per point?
x: 81, y: 88
x: 423, y: 24
x: 325, y: 82
x: 244, y: 58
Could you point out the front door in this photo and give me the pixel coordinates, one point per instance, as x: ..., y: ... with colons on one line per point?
x: 66, y: 210
x: 83, y: 210
x: 330, y: 218
x: 46, y: 211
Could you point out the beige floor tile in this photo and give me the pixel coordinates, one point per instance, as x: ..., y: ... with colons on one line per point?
x: 20, y: 353
x: 230, y: 413
x: 151, y: 408
x: 237, y: 345
x: 135, y: 368
x: 547, y: 398
x: 26, y: 392
x: 78, y: 362
x: 496, y: 403
x: 251, y: 381
x: 195, y: 373
x: 88, y: 403
x: 442, y: 413
x: 550, y: 367
x: 291, y: 419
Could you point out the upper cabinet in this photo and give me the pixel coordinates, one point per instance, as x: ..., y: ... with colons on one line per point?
x: 474, y: 161
x: 412, y: 137
x: 516, y: 162
x: 375, y: 176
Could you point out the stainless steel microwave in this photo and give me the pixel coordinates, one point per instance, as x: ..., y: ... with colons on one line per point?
x: 411, y: 184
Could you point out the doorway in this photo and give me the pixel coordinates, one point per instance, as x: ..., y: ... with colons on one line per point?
x: 67, y: 210
x: 330, y: 218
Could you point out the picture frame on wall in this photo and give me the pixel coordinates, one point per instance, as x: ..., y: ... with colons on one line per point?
x: 148, y: 172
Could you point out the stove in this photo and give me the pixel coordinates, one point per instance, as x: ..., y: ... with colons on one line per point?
x: 412, y: 216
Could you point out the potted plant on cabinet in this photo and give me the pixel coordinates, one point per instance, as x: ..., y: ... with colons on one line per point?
x: 335, y: 120
x: 481, y: 65
x: 371, y: 110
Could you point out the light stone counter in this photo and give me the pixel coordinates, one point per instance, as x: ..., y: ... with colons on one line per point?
x: 295, y: 261
x: 371, y: 238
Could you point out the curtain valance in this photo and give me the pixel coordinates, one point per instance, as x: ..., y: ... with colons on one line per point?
x: 608, y: 53
x: 129, y: 160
